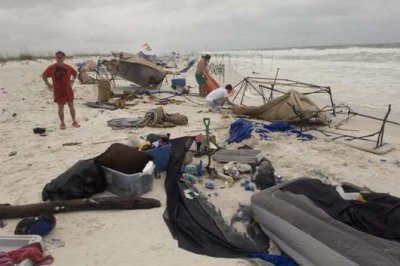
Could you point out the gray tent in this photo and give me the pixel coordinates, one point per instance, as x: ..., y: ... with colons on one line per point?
x: 137, y: 70
x: 311, y: 237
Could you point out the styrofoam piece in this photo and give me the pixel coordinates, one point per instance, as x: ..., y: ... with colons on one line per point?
x: 8, y: 243
x: 241, y: 156
x: 133, y: 185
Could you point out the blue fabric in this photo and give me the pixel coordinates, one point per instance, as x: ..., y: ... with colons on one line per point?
x: 41, y: 227
x: 241, y: 129
x: 189, y: 65
x: 275, y: 259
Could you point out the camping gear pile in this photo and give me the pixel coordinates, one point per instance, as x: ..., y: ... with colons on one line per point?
x: 84, y: 70
x: 124, y: 171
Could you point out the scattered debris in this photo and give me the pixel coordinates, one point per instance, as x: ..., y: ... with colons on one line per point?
x: 13, y: 153
x: 72, y: 143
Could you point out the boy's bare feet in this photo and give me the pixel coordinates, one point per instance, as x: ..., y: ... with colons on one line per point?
x: 62, y: 126
x: 76, y: 124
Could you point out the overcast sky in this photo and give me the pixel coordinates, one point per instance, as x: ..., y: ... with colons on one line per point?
x: 191, y: 25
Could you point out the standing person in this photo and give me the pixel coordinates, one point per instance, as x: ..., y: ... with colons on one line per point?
x: 218, y: 97
x: 200, y: 70
x: 61, y: 86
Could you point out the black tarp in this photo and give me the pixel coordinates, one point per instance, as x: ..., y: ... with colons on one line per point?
x: 195, y: 224
x: 82, y: 180
x: 379, y: 215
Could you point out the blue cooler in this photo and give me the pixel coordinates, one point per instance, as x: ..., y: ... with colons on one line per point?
x: 178, y: 82
x: 161, y: 157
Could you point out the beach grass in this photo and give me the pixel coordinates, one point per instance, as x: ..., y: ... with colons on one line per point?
x: 28, y: 56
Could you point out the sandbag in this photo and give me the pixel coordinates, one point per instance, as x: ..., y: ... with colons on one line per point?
x: 82, y: 180
x: 124, y: 159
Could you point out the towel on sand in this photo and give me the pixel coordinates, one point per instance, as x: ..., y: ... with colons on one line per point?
x: 158, y: 118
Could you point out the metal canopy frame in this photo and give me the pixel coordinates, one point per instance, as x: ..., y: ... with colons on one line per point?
x: 260, y: 84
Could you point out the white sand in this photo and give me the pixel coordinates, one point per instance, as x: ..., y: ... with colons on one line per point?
x: 140, y: 237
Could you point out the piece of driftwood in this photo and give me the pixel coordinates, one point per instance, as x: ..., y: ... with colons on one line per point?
x: 106, y: 203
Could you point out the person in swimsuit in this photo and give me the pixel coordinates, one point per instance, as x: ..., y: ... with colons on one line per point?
x: 200, y: 70
x: 61, y: 86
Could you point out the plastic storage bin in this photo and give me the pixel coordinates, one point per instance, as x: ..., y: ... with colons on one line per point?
x: 161, y: 157
x: 178, y: 82
x: 241, y: 156
x: 133, y: 185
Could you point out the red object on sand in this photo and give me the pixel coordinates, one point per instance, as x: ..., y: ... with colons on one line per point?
x: 211, y: 83
x: 33, y: 252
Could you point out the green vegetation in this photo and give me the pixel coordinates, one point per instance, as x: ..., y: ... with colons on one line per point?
x: 27, y: 56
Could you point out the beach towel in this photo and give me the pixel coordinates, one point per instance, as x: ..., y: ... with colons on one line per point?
x: 121, y: 123
x: 158, y: 118
x: 101, y: 105
x: 211, y: 83
x: 33, y: 252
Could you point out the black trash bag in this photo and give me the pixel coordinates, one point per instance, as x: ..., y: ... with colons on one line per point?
x: 82, y: 180
x: 265, y: 175
x: 124, y: 159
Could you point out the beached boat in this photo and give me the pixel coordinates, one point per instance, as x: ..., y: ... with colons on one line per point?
x: 137, y: 70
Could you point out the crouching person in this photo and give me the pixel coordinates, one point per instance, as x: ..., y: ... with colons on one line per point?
x: 218, y: 97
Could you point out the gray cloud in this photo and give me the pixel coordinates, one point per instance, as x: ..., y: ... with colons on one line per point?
x: 185, y: 25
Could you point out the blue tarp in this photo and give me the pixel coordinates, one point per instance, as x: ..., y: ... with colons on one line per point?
x: 275, y: 259
x: 241, y: 129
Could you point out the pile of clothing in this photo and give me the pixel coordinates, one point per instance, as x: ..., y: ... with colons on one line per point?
x: 32, y: 252
x: 159, y: 118
x: 151, y: 141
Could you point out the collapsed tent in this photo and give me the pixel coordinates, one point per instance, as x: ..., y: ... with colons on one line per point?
x: 311, y: 235
x: 194, y: 223
x: 291, y: 107
x: 137, y: 70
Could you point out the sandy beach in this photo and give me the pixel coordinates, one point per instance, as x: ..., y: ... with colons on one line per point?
x: 141, y: 237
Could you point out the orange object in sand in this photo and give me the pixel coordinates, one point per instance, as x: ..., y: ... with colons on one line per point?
x: 211, y: 83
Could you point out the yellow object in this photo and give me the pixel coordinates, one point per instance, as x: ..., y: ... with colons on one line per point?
x: 120, y: 103
x: 144, y: 146
x: 225, y: 116
x: 104, y: 90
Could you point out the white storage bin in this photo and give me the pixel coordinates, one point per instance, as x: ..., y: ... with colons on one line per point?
x: 130, y: 185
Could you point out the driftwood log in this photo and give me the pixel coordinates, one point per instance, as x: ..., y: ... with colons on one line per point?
x: 106, y: 203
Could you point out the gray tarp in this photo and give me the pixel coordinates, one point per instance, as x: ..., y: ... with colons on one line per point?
x: 137, y: 70
x: 279, y: 109
x: 311, y: 237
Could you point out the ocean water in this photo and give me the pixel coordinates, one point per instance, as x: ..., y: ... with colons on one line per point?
x: 366, y: 77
